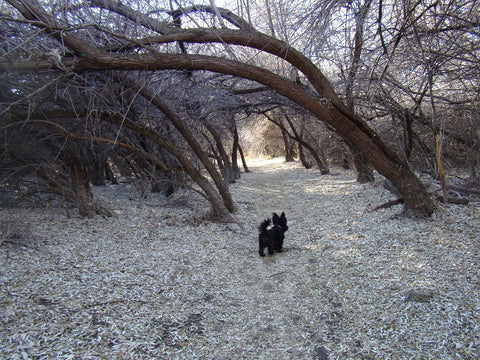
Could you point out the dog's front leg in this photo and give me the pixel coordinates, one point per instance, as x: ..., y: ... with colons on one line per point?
x: 261, y: 248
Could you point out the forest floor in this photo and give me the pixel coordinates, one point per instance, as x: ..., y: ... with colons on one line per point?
x: 156, y: 282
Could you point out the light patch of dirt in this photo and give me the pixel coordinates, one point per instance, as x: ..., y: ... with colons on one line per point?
x: 152, y: 282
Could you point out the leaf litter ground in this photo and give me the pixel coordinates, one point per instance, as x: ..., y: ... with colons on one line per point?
x: 157, y: 282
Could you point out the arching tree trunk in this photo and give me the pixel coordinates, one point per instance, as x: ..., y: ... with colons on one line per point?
x: 96, y: 165
x: 219, y: 210
x: 244, y: 161
x: 302, y: 157
x: 299, y: 138
x: 192, y: 142
x: 235, y: 147
x: 289, y: 149
x: 81, y: 186
x: 325, y: 105
x: 363, y: 168
x: 226, y: 165
x: 301, y: 154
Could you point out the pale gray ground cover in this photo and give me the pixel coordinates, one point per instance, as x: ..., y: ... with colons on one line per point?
x: 157, y: 282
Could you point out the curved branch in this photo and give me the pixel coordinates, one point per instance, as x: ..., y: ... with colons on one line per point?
x: 246, y: 36
x: 330, y: 109
x: 224, y: 13
x: 67, y: 134
x: 252, y: 39
x: 187, y: 135
x: 220, y: 211
x: 163, y: 28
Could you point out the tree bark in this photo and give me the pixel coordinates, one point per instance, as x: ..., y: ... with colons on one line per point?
x: 299, y: 138
x: 349, y: 125
x: 81, y: 186
x: 235, y: 147
x: 226, y: 165
x: 327, y: 106
x: 192, y: 142
x: 219, y: 210
x: 244, y: 161
x: 364, y: 171
x: 289, y: 150
x: 302, y: 157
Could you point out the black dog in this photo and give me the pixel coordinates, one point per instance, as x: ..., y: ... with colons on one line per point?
x: 273, y: 237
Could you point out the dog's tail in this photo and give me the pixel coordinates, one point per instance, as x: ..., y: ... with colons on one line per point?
x: 263, y: 227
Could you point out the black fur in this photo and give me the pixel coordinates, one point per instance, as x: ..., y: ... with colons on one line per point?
x: 273, y: 237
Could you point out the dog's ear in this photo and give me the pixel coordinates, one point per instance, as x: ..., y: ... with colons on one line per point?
x: 283, y: 221
x: 275, y: 218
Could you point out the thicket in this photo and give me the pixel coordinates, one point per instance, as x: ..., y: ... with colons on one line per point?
x: 164, y: 93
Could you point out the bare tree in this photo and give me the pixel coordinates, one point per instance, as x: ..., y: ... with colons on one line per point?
x: 144, y: 53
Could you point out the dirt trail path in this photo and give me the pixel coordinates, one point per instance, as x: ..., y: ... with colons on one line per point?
x: 269, y: 188
x: 278, y: 187
x: 153, y: 283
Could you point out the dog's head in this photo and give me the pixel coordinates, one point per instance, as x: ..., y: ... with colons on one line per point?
x: 280, y: 221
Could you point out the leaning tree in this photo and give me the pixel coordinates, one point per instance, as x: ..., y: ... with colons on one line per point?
x: 76, y: 50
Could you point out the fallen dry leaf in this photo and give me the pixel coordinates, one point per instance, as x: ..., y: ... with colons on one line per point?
x: 150, y: 283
